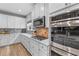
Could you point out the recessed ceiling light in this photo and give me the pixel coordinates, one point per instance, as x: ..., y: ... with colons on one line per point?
x: 19, y: 10
x: 67, y: 11
x: 42, y: 8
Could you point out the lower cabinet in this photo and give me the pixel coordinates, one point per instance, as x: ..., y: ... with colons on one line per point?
x: 34, y: 47
x: 26, y: 43
x: 40, y: 49
x: 43, y: 50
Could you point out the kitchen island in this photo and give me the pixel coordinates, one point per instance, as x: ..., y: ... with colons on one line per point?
x: 34, y: 46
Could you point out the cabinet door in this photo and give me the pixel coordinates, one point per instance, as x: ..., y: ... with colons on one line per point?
x: 19, y: 22
x: 42, y: 9
x: 56, y: 6
x: 27, y: 43
x: 19, y: 38
x: 33, y: 14
x: 43, y: 50
x: 16, y: 22
x: 32, y: 47
x: 37, y: 9
x: 11, y: 22
x: 36, y: 47
x: 3, y: 21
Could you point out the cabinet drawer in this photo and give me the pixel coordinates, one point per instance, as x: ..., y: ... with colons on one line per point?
x: 43, y: 47
x: 43, y: 52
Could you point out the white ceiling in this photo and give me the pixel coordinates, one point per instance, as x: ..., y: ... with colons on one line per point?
x: 18, y: 8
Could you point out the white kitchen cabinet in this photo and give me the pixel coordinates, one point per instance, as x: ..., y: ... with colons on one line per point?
x: 33, y: 13
x: 34, y: 46
x: 20, y: 22
x: 42, y: 9
x: 38, y: 49
x: 7, y: 21
x: 18, y: 38
x: 3, y: 21
x: 16, y: 22
x: 25, y: 41
x: 43, y: 50
x: 11, y: 22
x: 37, y: 9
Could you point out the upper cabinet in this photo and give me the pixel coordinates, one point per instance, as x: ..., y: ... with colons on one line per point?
x: 7, y: 21
x: 3, y: 21
x: 11, y: 22
x: 38, y: 10
x: 16, y: 22
x: 42, y: 9
x: 29, y: 22
x: 20, y: 22
x: 33, y: 13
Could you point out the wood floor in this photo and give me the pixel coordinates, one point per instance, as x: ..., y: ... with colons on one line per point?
x: 14, y: 50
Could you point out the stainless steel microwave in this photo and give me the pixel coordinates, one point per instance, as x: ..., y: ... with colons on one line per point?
x: 39, y: 22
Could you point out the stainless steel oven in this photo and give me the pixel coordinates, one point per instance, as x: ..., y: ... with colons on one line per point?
x: 72, y: 37
x: 66, y: 36
x: 59, y: 35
